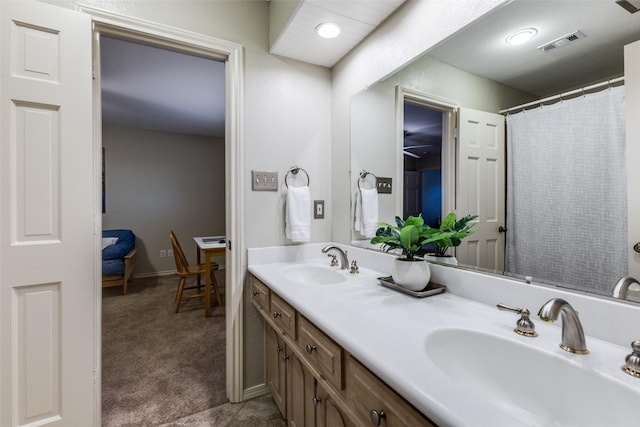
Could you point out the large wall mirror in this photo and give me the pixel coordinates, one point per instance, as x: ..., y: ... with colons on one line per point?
x: 404, y: 127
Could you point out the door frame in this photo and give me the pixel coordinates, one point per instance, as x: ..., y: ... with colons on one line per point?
x: 449, y: 109
x: 106, y: 22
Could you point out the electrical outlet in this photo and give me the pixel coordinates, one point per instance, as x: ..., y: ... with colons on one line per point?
x: 318, y: 209
x: 163, y: 253
x: 170, y: 253
x: 264, y: 181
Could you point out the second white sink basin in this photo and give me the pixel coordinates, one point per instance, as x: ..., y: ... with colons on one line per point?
x: 313, y: 274
x: 538, y: 387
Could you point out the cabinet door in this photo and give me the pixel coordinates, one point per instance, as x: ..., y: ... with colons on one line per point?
x: 328, y: 413
x: 300, y: 394
x: 376, y: 404
x: 276, y: 358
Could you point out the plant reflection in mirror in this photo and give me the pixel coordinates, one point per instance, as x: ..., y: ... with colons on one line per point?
x: 412, y: 234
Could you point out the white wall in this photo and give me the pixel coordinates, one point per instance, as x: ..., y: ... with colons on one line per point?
x: 158, y: 181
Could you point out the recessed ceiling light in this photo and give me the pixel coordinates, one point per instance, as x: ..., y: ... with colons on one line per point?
x: 328, y: 30
x: 521, y: 36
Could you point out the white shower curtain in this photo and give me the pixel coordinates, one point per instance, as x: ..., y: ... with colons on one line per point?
x: 566, y: 192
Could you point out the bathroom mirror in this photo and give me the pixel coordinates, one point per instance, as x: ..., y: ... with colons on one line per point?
x: 458, y: 72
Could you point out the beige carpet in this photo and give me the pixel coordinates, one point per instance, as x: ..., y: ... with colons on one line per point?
x: 159, y: 366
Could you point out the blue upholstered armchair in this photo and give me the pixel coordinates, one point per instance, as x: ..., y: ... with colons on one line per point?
x: 118, y: 257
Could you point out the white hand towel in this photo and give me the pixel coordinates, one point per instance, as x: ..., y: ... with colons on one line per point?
x: 298, y: 214
x: 366, y: 212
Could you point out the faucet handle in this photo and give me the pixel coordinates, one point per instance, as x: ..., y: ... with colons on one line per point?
x: 525, y: 325
x: 334, y: 259
x: 632, y: 361
x: 354, y: 267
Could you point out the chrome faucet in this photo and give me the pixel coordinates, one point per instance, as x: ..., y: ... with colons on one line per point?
x: 621, y: 288
x: 572, y: 334
x: 344, y: 261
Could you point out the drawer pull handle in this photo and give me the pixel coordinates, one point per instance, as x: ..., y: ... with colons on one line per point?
x: 316, y: 401
x: 310, y: 348
x: 376, y: 417
x: 276, y: 314
x: 256, y: 293
x: 278, y: 349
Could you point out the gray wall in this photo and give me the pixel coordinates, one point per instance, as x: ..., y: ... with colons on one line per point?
x: 159, y: 181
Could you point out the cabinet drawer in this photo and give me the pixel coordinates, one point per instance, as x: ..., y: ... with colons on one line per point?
x: 375, y: 404
x: 283, y: 315
x: 322, y: 352
x: 260, y: 295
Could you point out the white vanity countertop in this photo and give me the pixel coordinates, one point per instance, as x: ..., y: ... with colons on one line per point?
x: 387, y: 331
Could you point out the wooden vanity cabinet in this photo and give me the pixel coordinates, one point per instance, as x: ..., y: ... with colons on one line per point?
x: 315, y: 383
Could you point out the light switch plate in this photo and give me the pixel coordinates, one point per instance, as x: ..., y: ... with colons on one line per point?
x: 318, y: 209
x: 384, y: 185
x: 264, y: 181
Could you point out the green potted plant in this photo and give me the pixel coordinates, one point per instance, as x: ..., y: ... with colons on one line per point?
x: 409, y: 235
x: 406, y: 236
x: 450, y: 233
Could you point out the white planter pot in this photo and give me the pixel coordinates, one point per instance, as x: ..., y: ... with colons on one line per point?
x: 413, y: 275
x: 449, y: 259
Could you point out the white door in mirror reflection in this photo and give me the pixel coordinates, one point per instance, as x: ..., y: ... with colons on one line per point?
x: 480, y: 186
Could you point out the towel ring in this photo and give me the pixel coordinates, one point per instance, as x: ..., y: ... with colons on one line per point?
x: 363, y: 175
x: 294, y: 170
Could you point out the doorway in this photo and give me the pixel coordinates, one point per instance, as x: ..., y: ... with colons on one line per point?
x: 109, y: 24
x: 426, y: 148
x: 163, y: 145
x: 422, y: 150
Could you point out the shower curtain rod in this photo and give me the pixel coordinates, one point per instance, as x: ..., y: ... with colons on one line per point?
x: 562, y: 95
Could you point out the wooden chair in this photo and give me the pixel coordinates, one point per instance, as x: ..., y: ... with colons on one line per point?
x: 184, y: 270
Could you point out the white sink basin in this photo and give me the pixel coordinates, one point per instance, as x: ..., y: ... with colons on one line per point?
x: 313, y: 274
x: 538, y: 387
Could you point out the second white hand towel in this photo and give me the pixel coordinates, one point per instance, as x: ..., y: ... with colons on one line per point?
x: 367, y: 214
x: 298, y: 214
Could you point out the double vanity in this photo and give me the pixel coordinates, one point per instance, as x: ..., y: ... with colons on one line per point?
x: 343, y: 350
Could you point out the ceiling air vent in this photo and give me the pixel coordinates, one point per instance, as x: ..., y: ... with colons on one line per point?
x: 631, y: 6
x: 562, y: 41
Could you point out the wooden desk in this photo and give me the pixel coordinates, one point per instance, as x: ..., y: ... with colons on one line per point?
x: 211, y: 246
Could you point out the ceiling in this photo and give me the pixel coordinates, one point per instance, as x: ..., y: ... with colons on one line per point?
x: 151, y: 88
x: 157, y: 89
x: 357, y: 18
x: 481, y: 49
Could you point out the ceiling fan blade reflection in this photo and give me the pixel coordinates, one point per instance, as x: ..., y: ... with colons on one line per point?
x: 415, y: 156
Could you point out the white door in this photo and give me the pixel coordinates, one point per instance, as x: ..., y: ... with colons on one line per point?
x: 47, y: 196
x: 480, y: 188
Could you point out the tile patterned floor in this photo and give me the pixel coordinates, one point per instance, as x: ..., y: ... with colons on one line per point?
x: 259, y: 412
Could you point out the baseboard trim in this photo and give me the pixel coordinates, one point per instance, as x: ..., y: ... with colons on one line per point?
x: 154, y: 274
x: 255, y: 391
x: 163, y: 273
